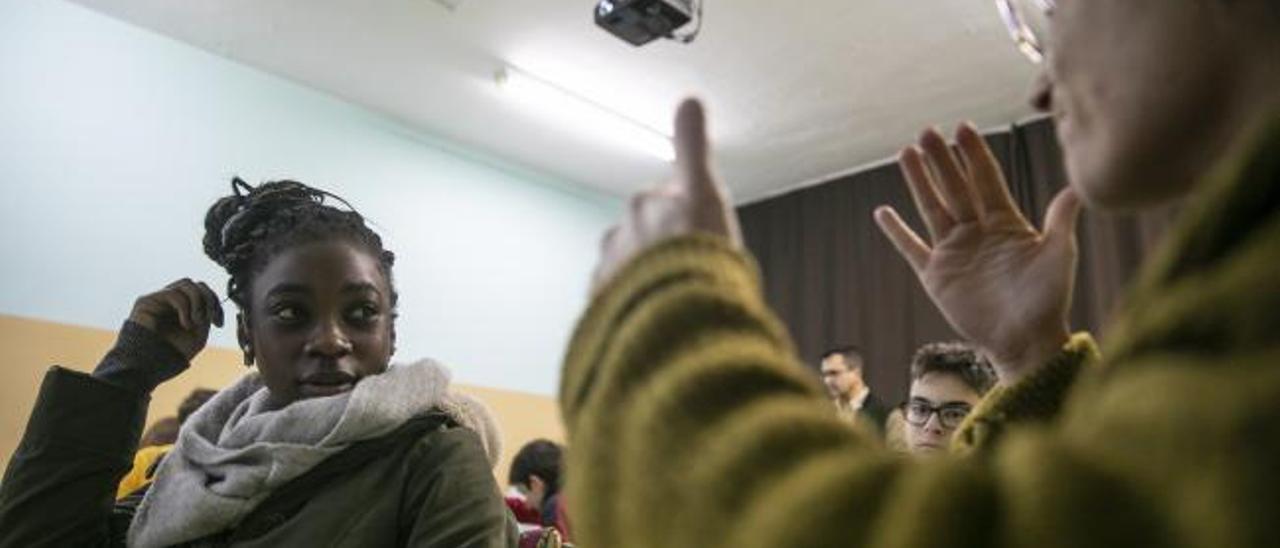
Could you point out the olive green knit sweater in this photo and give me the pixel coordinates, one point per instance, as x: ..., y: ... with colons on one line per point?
x: 692, y: 424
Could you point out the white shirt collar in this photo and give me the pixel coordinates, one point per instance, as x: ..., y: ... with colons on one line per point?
x: 856, y: 402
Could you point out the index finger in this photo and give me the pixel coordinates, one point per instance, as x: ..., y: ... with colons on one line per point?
x: 691, y: 146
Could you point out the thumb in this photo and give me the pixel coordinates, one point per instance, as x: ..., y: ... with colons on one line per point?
x: 1062, y: 216
x: 692, y: 162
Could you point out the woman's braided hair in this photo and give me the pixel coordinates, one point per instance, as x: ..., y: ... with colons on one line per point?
x: 243, y: 231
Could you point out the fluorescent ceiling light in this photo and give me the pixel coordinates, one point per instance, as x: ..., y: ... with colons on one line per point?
x: 583, y: 115
x: 450, y: 5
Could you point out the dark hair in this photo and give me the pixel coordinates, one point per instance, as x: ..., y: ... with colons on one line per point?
x: 162, y: 432
x: 955, y: 358
x: 243, y: 231
x: 192, y: 402
x: 537, y: 458
x: 850, y: 353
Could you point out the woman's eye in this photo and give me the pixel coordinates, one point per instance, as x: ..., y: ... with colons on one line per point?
x: 287, y: 313
x: 363, y: 313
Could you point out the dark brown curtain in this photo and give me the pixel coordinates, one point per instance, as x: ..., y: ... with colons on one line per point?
x: 834, y: 279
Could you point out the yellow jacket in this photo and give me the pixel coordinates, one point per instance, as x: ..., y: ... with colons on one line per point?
x: 144, y: 467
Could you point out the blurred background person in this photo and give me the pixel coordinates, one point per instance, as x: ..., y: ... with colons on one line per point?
x: 842, y: 375
x: 157, y: 441
x: 534, y: 497
x: 161, y: 433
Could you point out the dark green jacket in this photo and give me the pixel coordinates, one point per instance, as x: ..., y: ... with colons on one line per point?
x: 428, y: 484
x: 681, y: 391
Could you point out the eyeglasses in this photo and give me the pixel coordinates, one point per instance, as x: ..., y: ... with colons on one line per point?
x: 1028, y: 24
x: 949, y: 414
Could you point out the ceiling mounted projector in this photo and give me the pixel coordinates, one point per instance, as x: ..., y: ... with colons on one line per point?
x: 639, y: 22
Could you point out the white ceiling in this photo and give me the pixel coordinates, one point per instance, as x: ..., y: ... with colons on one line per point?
x: 798, y: 90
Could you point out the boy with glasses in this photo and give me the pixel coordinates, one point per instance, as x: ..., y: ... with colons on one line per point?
x: 947, y: 382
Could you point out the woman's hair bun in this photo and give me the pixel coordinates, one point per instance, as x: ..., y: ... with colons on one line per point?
x: 234, y: 223
x: 220, y: 216
x: 245, y: 229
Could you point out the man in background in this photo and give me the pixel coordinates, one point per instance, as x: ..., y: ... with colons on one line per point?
x: 842, y: 375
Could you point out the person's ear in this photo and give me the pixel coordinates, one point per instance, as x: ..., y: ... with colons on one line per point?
x: 245, y: 337
x: 537, y: 485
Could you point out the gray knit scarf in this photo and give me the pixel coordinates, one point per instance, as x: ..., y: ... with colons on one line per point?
x: 238, y: 448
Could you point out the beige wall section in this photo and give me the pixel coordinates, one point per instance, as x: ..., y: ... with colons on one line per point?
x: 28, y: 347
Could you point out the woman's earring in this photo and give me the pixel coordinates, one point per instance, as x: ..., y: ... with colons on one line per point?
x: 248, y: 356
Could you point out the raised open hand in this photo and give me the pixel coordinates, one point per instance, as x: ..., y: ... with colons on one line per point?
x: 693, y: 201
x: 1002, y: 284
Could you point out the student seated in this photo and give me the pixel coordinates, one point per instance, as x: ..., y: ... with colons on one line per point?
x: 947, y: 382
x: 682, y: 392
x: 324, y: 444
x: 156, y: 443
x: 535, y: 477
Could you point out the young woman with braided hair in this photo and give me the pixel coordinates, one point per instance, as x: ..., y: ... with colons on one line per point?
x: 324, y: 443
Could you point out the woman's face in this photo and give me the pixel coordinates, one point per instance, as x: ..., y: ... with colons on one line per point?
x: 1136, y: 88
x: 320, y: 320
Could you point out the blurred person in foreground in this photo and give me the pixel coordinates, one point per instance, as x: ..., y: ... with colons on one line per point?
x: 681, y: 390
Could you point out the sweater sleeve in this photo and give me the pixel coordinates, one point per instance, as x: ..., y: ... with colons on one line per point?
x: 59, y: 488
x: 679, y: 388
x: 691, y: 424
x: 140, y: 360
x: 1038, y: 398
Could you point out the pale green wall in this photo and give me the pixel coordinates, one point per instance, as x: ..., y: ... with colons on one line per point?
x: 114, y: 141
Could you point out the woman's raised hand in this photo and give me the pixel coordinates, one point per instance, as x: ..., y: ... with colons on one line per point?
x: 1002, y: 284
x: 181, y: 314
x: 694, y: 200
